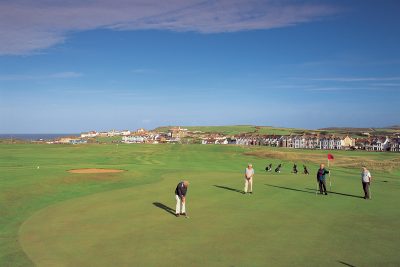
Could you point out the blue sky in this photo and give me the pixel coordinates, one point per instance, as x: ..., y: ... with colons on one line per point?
x: 74, y: 66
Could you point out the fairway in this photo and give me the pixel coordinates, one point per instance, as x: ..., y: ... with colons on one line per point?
x: 126, y: 218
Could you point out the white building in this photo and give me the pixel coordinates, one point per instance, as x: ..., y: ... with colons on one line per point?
x: 134, y: 139
x: 380, y: 144
x: 125, y: 132
x: 113, y: 133
x: 90, y: 134
x: 395, y: 145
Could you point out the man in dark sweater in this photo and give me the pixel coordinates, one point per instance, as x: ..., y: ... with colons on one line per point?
x: 321, y: 179
x: 180, y: 196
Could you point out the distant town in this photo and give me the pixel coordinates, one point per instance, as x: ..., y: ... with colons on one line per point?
x: 307, y: 140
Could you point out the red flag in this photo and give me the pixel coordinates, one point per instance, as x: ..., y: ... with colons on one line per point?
x: 330, y: 157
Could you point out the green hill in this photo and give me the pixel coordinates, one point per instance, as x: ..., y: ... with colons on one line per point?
x: 238, y: 129
x: 253, y: 129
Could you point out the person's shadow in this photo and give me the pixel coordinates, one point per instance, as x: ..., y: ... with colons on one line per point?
x: 229, y: 188
x: 337, y: 193
x: 164, y: 207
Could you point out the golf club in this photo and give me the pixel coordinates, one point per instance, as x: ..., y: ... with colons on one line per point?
x: 369, y: 191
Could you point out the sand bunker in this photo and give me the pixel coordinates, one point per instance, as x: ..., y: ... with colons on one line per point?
x: 95, y: 171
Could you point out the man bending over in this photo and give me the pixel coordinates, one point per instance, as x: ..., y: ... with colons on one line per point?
x: 180, y: 196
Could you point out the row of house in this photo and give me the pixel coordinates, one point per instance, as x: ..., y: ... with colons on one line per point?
x: 379, y: 144
x: 173, y: 135
x: 73, y: 140
x: 110, y: 133
x: 142, y: 136
x: 216, y: 140
x: 177, y: 132
x: 298, y: 141
x: 310, y: 141
x: 395, y: 145
x: 305, y: 141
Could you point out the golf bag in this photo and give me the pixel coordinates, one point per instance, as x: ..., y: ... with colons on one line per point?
x: 268, y: 168
x: 305, y: 170
x: 295, y: 169
x: 278, y: 169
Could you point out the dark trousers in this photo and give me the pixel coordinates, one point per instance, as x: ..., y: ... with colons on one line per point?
x: 322, y: 186
x: 366, y: 189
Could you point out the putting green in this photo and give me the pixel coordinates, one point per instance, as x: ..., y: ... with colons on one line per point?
x: 282, y: 224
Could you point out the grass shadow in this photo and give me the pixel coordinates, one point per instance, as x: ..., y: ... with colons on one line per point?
x: 164, y: 207
x: 337, y: 193
x: 347, y: 264
x: 229, y: 188
x: 292, y: 189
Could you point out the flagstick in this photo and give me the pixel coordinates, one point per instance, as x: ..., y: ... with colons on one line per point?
x: 330, y: 182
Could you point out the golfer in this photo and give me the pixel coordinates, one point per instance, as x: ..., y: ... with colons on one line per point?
x: 366, y: 181
x: 321, y: 179
x: 248, y: 179
x: 180, y: 196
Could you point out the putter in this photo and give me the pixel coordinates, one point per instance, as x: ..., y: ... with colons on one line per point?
x: 369, y: 191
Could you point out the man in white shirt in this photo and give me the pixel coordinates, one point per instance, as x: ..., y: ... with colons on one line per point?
x: 248, y: 179
x: 366, y: 181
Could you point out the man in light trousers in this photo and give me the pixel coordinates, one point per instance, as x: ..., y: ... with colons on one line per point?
x: 366, y: 182
x: 248, y: 179
x: 180, y: 196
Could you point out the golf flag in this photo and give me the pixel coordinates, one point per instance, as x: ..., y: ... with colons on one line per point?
x: 330, y: 157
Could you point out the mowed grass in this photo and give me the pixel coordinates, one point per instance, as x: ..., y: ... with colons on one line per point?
x: 50, y: 217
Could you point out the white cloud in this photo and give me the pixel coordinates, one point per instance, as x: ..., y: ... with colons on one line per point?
x: 333, y: 89
x: 29, y: 26
x: 57, y: 75
x: 387, y: 84
x: 67, y: 74
x: 142, y: 71
x: 357, y: 79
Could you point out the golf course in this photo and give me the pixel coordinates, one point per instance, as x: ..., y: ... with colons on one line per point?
x: 114, y: 205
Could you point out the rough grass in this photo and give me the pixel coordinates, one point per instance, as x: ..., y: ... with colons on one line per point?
x: 380, y: 161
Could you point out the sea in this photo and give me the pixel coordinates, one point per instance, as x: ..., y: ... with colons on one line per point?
x: 35, y: 137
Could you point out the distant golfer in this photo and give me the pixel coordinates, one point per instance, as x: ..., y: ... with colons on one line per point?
x: 366, y: 182
x: 180, y: 196
x: 248, y: 179
x: 321, y: 179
